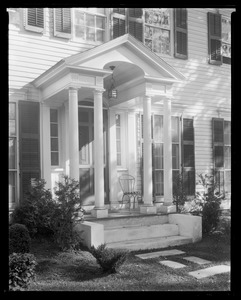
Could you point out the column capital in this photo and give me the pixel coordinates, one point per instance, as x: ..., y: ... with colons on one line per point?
x: 98, y: 91
x: 147, y: 95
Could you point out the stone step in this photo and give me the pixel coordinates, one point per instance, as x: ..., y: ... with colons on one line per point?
x: 119, y: 219
x: 135, y: 232
x: 150, y: 243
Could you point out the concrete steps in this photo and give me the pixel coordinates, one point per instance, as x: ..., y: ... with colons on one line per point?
x: 137, y: 232
x: 150, y: 243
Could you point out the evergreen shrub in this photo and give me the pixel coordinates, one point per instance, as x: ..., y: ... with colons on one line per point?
x: 19, y: 239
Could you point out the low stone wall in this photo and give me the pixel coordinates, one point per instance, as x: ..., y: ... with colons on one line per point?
x: 189, y: 226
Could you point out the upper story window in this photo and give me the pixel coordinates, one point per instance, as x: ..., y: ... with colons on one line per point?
x: 219, y: 39
x: 89, y: 24
x: 34, y: 19
x: 157, y: 30
x: 62, y: 22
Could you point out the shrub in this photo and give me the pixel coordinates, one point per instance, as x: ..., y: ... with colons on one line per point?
x: 36, y: 210
x: 109, y: 259
x: 21, y: 270
x: 206, y: 204
x: 68, y: 214
x: 19, y: 239
x: 179, y: 195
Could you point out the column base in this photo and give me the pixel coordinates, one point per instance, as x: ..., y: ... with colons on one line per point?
x: 99, y: 212
x: 167, y: 208
x: 145, y: 209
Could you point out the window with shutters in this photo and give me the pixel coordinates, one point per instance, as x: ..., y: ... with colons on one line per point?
x: 54, y: 137
x: 127, y: 20
x: 180, y: 33
x: 188, y: 158
x: 35, y: 19
x: 89, y: 24
x: 157, y: 30
x: 62, y: 22
x: 222, y: 154
x: 29, y: 143
x: 12, y: 155
x: 219, y: 39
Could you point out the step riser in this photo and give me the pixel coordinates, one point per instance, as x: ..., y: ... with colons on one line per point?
x: 129, y: 221
x: 143, y: 232
x: 154, y: 245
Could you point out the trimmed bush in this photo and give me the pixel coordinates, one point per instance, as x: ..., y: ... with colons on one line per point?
x: 109, y: 259
x: 19, y: 239
x: 36, y: 210
x: 21, y: 270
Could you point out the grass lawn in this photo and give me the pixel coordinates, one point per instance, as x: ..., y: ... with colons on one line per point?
x: 79, y: 271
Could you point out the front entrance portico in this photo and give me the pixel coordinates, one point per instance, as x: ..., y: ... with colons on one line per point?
x: 139, y: 74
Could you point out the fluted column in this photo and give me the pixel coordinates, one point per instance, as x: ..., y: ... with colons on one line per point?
x: 168, y: 196
x: 147, y: 207
x: 99, y: 210
x: 73, y: 134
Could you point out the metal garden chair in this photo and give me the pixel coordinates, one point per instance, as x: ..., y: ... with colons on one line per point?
x: 127, y: 183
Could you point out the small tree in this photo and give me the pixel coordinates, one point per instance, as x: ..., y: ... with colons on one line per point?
x: 179, y: 195
x: 68, y: 213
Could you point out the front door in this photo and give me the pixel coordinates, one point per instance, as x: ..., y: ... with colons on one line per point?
x: 86, y: 155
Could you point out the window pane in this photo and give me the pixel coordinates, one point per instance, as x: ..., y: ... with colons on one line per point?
x: 159, y: 189
x: 12, y: 111
x: 118, y: 159
x: 175, y: 129
x: 118, y: 133
x: 12, y: 187
x: 79, y: 32
x: 53, y: 115
x: 54, y: 144
x: 99, y: 35
x: 218, y: 157
x: 12, y: 127
x: 227, y: 157
x: 12, y: 153
x: 158, y: 128
x: 79, y: 18
x: 54, y: 130
x: 118, y: 146
x: 90, y: 34
x: 175, y: 156
x: 226, y: 30
x: 117, y: 120
x: 227, y: 133
x: 228, y: 181
x: 54, y: 158
x: 83, y: 116
x: 90, y: 20
x: 100, y: 22
x: 158, y: 156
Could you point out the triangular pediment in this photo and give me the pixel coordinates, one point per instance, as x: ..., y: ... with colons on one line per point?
x: 125, y: 49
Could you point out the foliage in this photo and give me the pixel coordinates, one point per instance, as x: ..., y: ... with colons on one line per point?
x: 21, y: 270
x: 68, y: 213
x: 109, y: 259
x: 179, y: 195
x: 206, y: 204
x: 19, y: 239
x: 36, y: 210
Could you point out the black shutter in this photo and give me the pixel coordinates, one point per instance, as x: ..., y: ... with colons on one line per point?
x: 29, y: 143
x: 136, y: 29
x: 63, y: 20
x: 118, y: 27
x: 135, y: 12
x: 119, y: 11
x: 218, y: 152
x: 180, y: 33
x: 36, y: 17
x: 188, y: 157
x: 214, y: 38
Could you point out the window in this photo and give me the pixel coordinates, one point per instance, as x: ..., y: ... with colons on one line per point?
x: 54, y: 137
x: 157, y: 30
x: 12, y: 158
x: 34, y: 19
x: 89, y: 24
x: 222, y: 154
x: 188, y: 159
x: 175, y: 148
x: 180, y: 33
x: 219, y: 39
x: 62, y: 22
x: 127, y: 20
x: 118, y: 139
